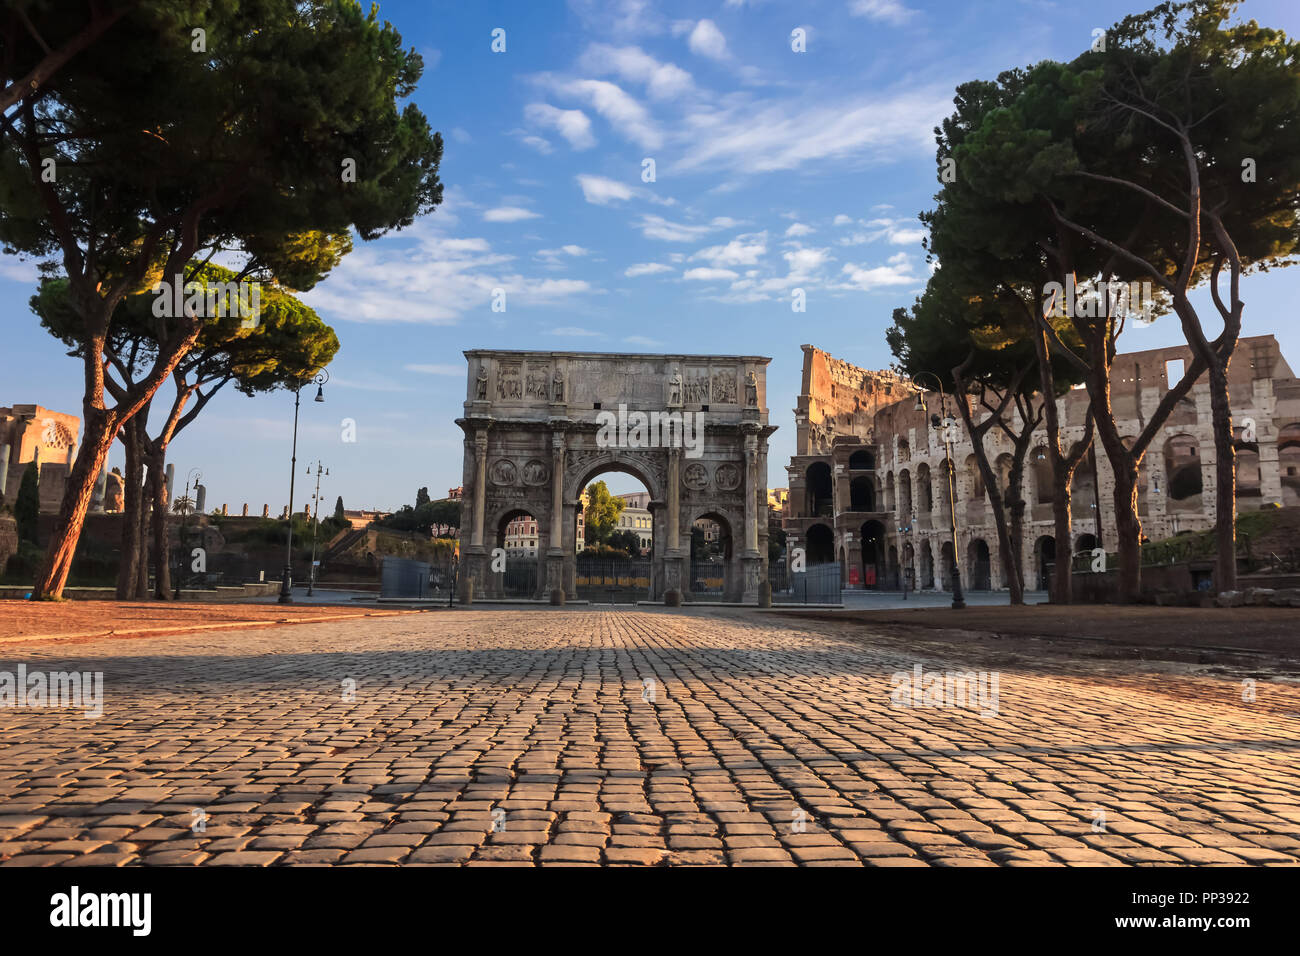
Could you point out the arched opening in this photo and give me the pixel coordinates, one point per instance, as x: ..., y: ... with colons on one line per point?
x: 874, y: 571
x: 924, y: 490
x: 927, y: 566
x: 893, y: 582
x: 889, y: 492
x: 1288, y: 462
x: 821, y: 544
x: 862, y: 494
x: 909, y: 566
x: 820, y: 489
x: 1002, y: 468
x: 1045, y: 560
x: 905, y: 497
x: 904, y: 449
x: 614, y: 538
x: 979, y: 565
x: 947, y: 560
x: 712, y: 558
x: 1040, y: 468
x: 514, y: 569
x: 1085, y: 542
x: 976, y: 479
x: 1183, y: 473
x: 862, y: 460
x: 1249, y: 483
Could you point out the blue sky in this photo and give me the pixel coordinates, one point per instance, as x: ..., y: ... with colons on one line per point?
x: 774, y: 170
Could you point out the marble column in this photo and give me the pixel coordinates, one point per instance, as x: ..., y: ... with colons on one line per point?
x: 480, y: 486
x: 555, y: 563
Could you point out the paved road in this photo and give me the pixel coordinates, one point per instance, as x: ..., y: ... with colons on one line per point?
x: 527, y: 736
x: 893, y: 600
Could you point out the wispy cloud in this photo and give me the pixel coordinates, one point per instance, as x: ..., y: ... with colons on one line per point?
x: 509, y: 214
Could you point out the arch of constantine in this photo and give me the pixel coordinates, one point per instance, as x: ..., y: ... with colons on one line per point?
x: 540, y: 425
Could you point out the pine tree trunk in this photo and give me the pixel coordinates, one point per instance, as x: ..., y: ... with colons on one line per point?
x: 1062, y: 582
x: 101, y: 432
x: 1128, y: 527
x: 1225, y: 478
x: 132, y: 501
x: 162, y: 570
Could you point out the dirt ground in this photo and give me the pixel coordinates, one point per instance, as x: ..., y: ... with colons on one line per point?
x: 84, y: 619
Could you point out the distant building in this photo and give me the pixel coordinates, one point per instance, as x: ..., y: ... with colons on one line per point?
x: 32, y: 434
x: 360, y: 519
x: 636, y: 517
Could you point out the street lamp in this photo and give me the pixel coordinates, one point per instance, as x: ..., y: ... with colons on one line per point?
x: 194, y: 476
x: 317, y: 378
x: 957, y: 600
x: 315, y: 516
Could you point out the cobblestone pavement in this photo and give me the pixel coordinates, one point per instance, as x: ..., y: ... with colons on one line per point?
x: 520, y: 737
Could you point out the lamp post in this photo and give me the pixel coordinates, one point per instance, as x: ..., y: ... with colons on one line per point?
x: 315, y: 523
x: 957, y: 600
x: 194, y: 476
x: 318, y: 379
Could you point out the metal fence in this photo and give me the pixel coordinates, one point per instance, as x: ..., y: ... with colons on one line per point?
x: 819, y: 584
x: 404, y: 578
x: 604, y: 581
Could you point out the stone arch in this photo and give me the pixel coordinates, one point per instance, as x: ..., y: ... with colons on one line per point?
x: 1040, y: 470
x: 976, y: 479
x: 1044, y: 555
x: 927, y: 565
x: 862, y: 460
x: 874, y: 569
x: 905, y: 495
x: 1183, y: 480
x: 1288, y: 463
x: 862, y: 494
x: 638, y: 465
x: 924, y: 490
x: 979, y: 564
x: 820, y: 490
x: 821, y: 544
x: 726, y: 564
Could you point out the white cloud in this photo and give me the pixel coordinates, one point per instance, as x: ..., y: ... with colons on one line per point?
x: 612, y: 102
x: 646, y: 269
x: 761, y: 136
x: 657, y: 227
x: 572, y: 331
x: 509, y: 214
x: 618, y: 17
x: 573, y: 125
x: 798, y: 229
x: 741, y: 251
x: 538, y: 143
x: 843, y: 220
x: 601, y: 191
x: 709, y: 274
x: 886, y: 11
x: 897, y: 232
x: 897, y: 272
x: 707, y: 40
x: 661, y: 80
x: 425, y: 275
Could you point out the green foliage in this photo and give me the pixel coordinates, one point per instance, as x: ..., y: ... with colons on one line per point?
x: 339, y: 512
x: 626, y: 541
x: 27, y: 507
x: 421, y: 497
x: 601, y: 514
x: 443, y: 512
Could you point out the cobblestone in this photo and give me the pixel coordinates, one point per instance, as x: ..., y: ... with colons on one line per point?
x: 525, y: 737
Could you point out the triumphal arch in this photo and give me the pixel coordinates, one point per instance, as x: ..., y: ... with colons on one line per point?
x: 540, y: 425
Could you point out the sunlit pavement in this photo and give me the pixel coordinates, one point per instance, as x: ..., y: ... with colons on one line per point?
x: 630, y: 737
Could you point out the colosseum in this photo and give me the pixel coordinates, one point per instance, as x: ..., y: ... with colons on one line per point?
x: 867, y: 485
